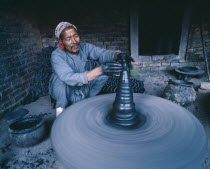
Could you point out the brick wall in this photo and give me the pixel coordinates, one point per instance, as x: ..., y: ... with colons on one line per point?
x: 111, y: 31
x: 195, y: 52
x: 19, y: 44
x: 194, y: 55
x: 108, y: 30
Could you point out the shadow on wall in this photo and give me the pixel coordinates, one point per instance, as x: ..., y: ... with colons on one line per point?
x: 42, y: 75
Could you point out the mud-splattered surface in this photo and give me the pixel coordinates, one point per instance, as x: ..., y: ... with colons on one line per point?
x: 42, y: 156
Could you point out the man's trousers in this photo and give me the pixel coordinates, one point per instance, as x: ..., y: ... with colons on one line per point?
x: 66, y: 95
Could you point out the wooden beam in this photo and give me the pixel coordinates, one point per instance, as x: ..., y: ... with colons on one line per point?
x: 184, y: 33
x: 134, y: 31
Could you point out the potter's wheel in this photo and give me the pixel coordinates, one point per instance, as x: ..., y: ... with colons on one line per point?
x: 171, y: 137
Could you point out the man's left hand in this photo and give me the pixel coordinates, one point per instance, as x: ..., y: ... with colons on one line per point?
x: 124, y: 56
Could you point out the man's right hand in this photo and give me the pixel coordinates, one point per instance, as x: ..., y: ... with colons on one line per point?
x: 94, y: 73
x: 112, y: 69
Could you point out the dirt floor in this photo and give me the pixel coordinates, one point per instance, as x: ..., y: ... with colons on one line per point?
x: 42, y: 156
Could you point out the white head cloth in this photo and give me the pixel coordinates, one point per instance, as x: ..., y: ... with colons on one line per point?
x: 61, y: 26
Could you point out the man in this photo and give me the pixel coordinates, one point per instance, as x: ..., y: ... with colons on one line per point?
x: 71, y: 81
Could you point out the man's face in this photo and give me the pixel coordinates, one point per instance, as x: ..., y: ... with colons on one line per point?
x: 71, y: 40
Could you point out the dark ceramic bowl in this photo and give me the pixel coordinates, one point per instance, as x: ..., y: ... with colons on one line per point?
x: 190, y: 71
x: 27, y: 132
x: 188, y: 68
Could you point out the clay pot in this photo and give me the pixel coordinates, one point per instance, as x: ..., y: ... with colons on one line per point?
x: 180, y: 92
x: 187, y: 72
x: 27, y: 131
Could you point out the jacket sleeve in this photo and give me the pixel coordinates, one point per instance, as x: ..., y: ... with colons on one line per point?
x: 103, y: 55
x: 65, y: 72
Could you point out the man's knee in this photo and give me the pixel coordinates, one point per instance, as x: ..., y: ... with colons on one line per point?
x: 97, y: 85
x: 58, y: 92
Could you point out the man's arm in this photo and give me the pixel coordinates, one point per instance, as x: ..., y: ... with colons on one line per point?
x: 92, y: 74
x: 103, y: 55
x: 65, y: 72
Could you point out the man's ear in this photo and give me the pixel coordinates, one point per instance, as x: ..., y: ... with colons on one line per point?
x: 61, y: 45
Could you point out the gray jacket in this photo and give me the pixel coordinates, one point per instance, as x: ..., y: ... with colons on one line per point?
x: 71, y: 68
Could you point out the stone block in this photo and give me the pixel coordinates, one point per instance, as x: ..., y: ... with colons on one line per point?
x: 158, y: 68
x: 7, y: 91
x: 145, y: 69
x: 144, y: 64
x: 162, y: 68
x: 171, y: 58
x: 8, y: 104
x: 175, y: 64
x: 4, y: 35
x: 107, y: 43
x: 20, y: 96
x: 15, y: 92
x: 122, y: 38
x: 183, y: 64
x: 100, y: 44
x: 165, y: 64
x: 154, y: 64
x: 157, y: 58
x: 175, y: 60
x: 182, y: 61
x: 145, y: 58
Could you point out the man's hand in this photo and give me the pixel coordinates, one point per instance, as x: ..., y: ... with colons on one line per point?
x: 124, y: 56
x: 112, y: 69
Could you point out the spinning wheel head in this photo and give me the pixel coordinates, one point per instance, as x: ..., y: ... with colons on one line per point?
x: 171, y: 137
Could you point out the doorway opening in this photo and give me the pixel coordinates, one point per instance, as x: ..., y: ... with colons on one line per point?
x: 160, y: 27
